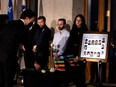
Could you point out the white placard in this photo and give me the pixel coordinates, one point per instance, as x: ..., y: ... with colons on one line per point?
x: 94, y: 46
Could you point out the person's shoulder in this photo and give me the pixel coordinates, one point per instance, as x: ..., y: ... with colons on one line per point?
x: 47, y: 28
x: 56, y: 33
x: 15, y: 22
x: 66, y: 31
x: 9, y: 24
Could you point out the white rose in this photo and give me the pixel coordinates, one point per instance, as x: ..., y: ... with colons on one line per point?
x: 43, y: 71
x: 52, y: 69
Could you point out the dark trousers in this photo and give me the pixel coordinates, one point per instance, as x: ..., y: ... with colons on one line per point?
x: 29, y: 58
x: 61, y: 79
x: 7, y: 72
x: 76, y: 74
x: 42, y: 60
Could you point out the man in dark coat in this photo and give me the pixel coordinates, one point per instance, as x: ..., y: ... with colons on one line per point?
x: 11, y: 36
x: 3, y: 20
x: 42, y: 38
x: 29, y: 56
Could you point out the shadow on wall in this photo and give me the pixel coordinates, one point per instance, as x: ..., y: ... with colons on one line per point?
x: 53, y: 28
x: 68, y: 25
x: 53, y: 24
x: 41, y: 8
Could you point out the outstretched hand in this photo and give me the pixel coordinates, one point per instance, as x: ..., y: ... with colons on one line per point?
x: 76, y: 59
x: 37, y: 66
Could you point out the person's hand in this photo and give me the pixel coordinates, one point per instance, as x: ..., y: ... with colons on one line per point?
x: 34, y: 48
x: 56, y: 55
x: 23, y: 48
x: 37, y: 66
x: 76, y: 59
x: 112, y: 44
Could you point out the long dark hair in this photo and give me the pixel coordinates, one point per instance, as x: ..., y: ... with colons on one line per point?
x: 83, y: 24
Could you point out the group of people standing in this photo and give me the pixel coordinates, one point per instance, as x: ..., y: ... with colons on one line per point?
x: 33, y: 37
x: 12, y: 35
